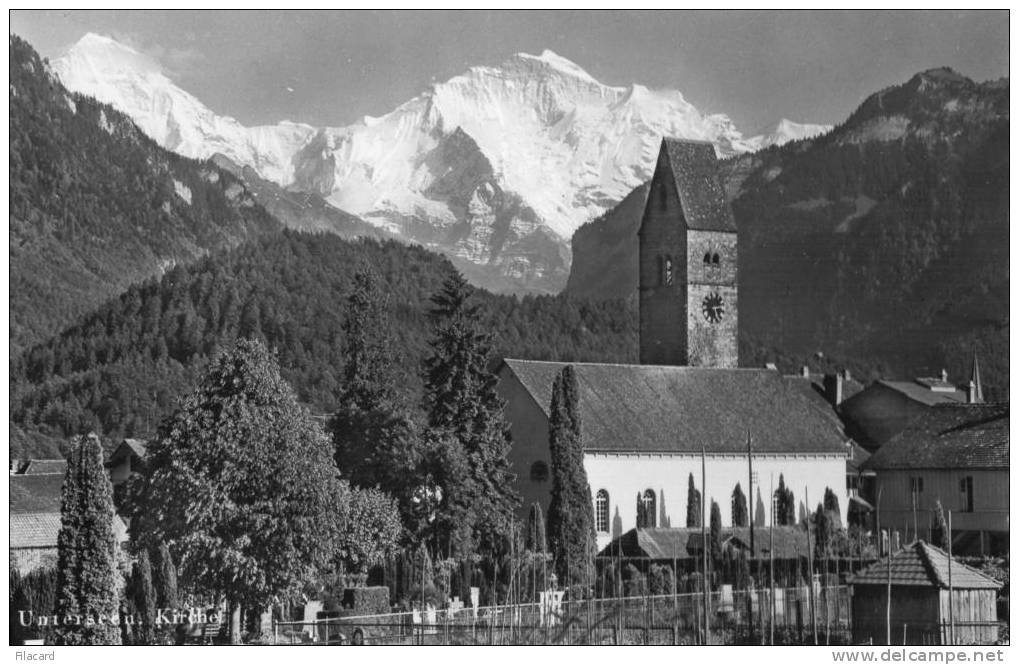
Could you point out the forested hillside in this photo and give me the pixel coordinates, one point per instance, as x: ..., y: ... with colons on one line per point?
x: 119, y: 370
x: 884, y: 242
x: 96, y: 206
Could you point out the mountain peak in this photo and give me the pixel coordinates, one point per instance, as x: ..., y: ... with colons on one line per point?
x: 556, y: 62
x: 105, y: 54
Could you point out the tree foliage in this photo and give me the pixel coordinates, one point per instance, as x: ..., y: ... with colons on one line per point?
x: 939, y: 529
x: 144, y: 596
x: 536, y: 541
x: 240, y: 483
x: 740, y: 516
x: 785, y: 503
x: 460, y: 400
x: 716, y: 532
x: 693, y: 504
x: 370, y: 530
x: 570, y: 513
x: 86, y: 549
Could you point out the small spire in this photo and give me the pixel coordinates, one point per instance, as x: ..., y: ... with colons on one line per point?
x: 974, y: 379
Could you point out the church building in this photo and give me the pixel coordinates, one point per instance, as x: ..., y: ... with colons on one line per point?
x: 645, y: 427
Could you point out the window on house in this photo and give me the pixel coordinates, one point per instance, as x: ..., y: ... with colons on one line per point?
x: 966, y: 490
x: 601, y: 511
x: 915, y: 484
x: 647, y: 518
x: 669, y: 275
x: 539, y: 472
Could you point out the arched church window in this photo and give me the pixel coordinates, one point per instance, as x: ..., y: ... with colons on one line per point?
x: 669, y: 276
x: 648, y: 516
x: 601, y: 511
x: 539, y: 472
x: 714, y: 259
x: 707, y: 258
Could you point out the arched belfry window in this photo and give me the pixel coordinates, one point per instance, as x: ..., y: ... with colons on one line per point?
x: 648, y: 512
x: 707, y: 258
x: 601, y: 511
x: 714, y: 259
x: 669, y: 273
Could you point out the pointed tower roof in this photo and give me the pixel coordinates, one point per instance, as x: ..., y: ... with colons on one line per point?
x: 975, y: 379
x: 695, y: 173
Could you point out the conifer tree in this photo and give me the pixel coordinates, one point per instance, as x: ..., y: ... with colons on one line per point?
x: 570, y: 514
x: 144, y: 596
x: 785, y: 507
x: 760, y: 512
x: 939, y: 534
x: 693, y: 504
x: 86, y: 548
x: 536, y: 529
x: 740, y: 516
x: 822, y: 532
x: 831, y: 506
x: 460, y: 399
x: 716, y: 532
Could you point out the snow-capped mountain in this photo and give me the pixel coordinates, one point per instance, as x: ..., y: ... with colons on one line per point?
x: 785, y: 131
x: 496, y: 167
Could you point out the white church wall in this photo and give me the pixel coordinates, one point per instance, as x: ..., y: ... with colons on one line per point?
x: 626, y: 476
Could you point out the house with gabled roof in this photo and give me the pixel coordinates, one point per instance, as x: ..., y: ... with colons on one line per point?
x: 935, y: 600
x: 644, y: 426
x: 956, y: 454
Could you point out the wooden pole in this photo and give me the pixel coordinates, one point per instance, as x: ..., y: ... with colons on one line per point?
x: 704, y: 547
x: 750, y: 518
x: 771, y: 562
x: 951, y: 595
x: 810, y: 570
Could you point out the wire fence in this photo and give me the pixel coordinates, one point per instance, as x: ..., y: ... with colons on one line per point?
x: 791, y: 616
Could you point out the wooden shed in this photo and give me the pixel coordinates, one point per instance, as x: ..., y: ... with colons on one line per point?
x: 923, y: 580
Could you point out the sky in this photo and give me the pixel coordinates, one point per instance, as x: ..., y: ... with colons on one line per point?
x: 332, y: 68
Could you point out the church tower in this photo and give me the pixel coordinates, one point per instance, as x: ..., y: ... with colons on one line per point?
x: 688, y: 275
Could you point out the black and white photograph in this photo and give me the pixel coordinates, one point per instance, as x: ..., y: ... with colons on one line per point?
x: 500, y: 328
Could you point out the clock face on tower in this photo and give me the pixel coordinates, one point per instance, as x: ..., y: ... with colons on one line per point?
x: 712, y: 307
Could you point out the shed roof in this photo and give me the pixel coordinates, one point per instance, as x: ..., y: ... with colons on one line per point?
x: 36, y: 493
x: 686, y: 543
x: 949, y: 436
x: 129, y: 448
x: 701, y: 195
x: 922, y: 564
x: 654, y: 408
x: 43, y: 466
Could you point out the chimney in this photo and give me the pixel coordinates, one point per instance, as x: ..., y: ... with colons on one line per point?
x: 805, y: 372
x: 846, y: 375
x: 833, y: 388
x: 971, y: 393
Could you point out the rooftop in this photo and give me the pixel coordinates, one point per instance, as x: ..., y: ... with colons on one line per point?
x: 922, y: 564
x: 790, y: 542
x: 949, y: 436
x: 695, y: 172
x: 654, y: 408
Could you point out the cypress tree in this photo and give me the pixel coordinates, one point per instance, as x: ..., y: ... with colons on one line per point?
x: 144, y: 596
x: 693, y: 504
x: 785, y: 506
x: 760, y: 512
x: 536, y: 529
x: 740, y: 516
x: 831, y: 506
x: 86, y: 549
x: 716, y: 532
x: 822, y: 532
x: 571, y: 513
x: 939, y: 534
x: 460, y: 398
